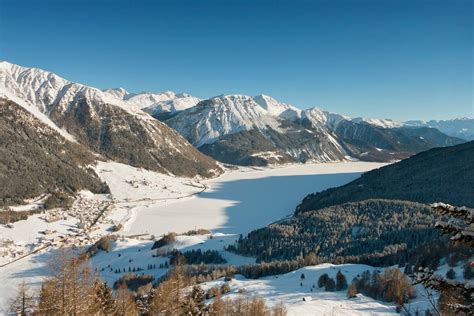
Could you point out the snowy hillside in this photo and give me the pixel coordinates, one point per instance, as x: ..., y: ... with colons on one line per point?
x: 290, y: 290
x: 148, y: 203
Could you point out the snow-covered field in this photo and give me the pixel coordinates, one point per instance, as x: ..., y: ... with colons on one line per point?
x: 145, y: 202
x: 287, y: 288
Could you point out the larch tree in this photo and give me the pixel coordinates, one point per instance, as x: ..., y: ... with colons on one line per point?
x: 23, y: 303
x: 70, y: 289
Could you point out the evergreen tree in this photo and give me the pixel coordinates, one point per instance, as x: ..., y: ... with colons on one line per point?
x: 341, y: 282
x: 451, y: 274
x: 323, y: 279
x: 330, y: 285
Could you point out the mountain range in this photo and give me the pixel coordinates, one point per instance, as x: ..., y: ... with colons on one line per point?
x: 179, y: 134
x: 259, y: 130
x: 111, y: 124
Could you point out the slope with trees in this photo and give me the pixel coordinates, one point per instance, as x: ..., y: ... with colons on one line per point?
x: 35, y: 159
x: 445, y: 174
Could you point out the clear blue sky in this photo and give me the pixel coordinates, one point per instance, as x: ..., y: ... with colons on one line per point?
x: 380, y: 58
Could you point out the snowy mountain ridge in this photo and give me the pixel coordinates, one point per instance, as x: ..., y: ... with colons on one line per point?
x: 259, y: 130
x: 223, y: 115
x: 109, y: 123
x: 241, y: 129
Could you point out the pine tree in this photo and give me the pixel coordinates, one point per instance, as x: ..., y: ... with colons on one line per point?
x: 341, y: 282
x: 70, y: 289
x: 455, y: 297
x: 330, y: 285
x: 323, y: 280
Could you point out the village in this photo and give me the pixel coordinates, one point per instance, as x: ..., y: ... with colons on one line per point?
x: 78, y: 226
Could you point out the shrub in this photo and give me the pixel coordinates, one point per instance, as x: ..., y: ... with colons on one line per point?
x: 225, y: 288
x: 213, y: 292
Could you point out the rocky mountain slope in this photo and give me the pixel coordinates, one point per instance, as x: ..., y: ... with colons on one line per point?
x: 370, y: 142
x: 440, y: 174
x: 254, y: 131
x: 110, y: 123
x: 260, y: 130
x: 35, y: 159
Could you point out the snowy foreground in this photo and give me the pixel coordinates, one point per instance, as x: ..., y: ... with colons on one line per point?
x: 145, y: 203
x: 290, y: 289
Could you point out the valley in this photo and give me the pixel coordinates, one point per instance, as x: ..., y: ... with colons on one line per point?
x: 237, y: 195
x: 146, y: 204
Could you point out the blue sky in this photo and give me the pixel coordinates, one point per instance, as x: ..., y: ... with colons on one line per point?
x: 388, y: 59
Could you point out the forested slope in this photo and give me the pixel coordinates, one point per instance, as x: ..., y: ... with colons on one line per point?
x: 440, y: 174
x: 375, y: 231
x: 35, y: 159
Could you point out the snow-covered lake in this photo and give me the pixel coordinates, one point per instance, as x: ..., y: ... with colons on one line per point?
x: 242, y: 200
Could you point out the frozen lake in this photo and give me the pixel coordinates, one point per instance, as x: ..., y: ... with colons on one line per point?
x: 243, y: 200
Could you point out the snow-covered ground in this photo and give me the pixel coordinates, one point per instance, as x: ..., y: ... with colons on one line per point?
x: 133, y: 253
x: 287, y: 289
x: 145, y: 202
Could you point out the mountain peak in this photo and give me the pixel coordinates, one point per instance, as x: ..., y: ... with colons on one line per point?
x: 120, y: 92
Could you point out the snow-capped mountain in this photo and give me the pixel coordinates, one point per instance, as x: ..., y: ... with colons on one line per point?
x: 258, y: 130
x: 384, y: 123
x: 159, y: 105
x: 220, y: 116
x: 110, y: 123
x: 254, y: 130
